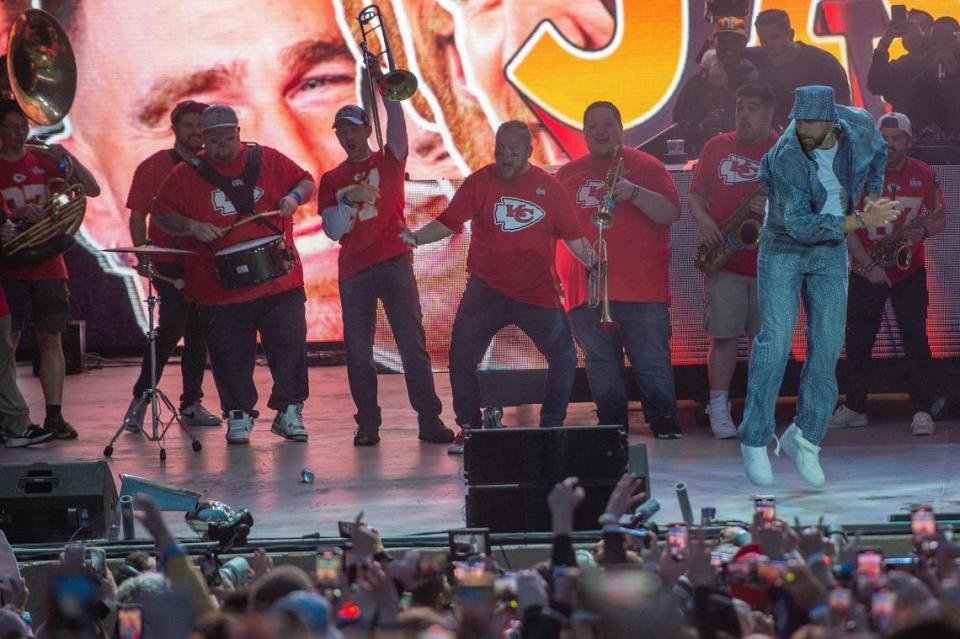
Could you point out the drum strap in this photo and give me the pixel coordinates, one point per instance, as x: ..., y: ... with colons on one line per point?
x: 238, y: 190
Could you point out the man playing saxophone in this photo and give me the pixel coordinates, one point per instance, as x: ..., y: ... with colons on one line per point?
x: 888, y: 262
x: 637, y: 287
x: 41, y: 289
x: 725, y: 184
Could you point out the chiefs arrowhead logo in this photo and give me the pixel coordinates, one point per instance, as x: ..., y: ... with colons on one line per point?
x: 224, y: 206
x: 590, y: 194
x: 736, y: 169
x: 513, y: 214
x: 19, y: 178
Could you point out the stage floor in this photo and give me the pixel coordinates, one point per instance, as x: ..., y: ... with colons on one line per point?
x: 405, y: 487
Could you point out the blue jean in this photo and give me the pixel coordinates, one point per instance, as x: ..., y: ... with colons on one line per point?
x: 393, y: 283
x: 644, y: 333
x: 787, y: 272
x: 480, y: 316
x: 231, y: 334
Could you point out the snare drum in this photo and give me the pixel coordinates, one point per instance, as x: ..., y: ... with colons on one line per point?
x: 252, y: 262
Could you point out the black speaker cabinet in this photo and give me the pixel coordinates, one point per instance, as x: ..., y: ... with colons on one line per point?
x: 52, y: 502
x: 510, y: 472
x: 544, y: 455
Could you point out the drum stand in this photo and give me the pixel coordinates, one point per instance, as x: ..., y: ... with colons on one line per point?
x: 153, y: 394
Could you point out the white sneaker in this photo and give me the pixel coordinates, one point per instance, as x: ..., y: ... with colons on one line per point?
x: 289, y: 424
x: 922, y: 424
x: 239, y: 426
x: 757, y: 464
x: 843, y: 417
x: 805, y: 455
x: 720, y: 421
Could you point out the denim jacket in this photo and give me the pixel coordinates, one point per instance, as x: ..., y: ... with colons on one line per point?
x: 795, y: 196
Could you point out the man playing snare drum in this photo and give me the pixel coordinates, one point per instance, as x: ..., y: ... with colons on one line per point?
x: 245, y: 272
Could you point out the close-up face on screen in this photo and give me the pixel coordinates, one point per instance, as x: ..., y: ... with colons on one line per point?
x: 287, y: 66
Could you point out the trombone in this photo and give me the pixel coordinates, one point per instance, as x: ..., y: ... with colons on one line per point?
x: 598, y: 290
x: 397, y: 84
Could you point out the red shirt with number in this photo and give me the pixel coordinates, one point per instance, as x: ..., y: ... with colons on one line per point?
x: 638, y: 249
x: 374, y: 236
x: 185, y: 192
x: 146, y: 182
x: 514, y: 230
x: 727, y: 172
x: 25, y: 182
x: 915, y: 187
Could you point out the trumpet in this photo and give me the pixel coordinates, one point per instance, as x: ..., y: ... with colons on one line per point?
x: 397, y: 84
x: 598, y: 286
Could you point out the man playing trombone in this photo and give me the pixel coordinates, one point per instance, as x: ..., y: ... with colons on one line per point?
x: 362, y: 203
x: 637, y: 272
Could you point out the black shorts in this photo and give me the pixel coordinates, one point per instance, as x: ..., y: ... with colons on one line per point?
x: 45, y: 302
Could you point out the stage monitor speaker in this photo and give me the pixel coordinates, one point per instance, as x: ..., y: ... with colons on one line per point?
x: 544, y: 455
x: 56, y: 502
x: 523, y: 507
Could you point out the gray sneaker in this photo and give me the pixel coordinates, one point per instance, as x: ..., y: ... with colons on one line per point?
x: 31, y: 436
x: 239, y: 426
x: 196, y: 415
x: 133, y: 420
x: 289, y: 424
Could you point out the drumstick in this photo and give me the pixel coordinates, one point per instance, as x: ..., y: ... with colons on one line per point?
x: 177, y: 282
x: 250, y: 219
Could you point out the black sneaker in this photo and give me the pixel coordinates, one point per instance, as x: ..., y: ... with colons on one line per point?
x: 365, y: 438
x: 435, y: 432
x: 666, y: 428
x: 60, y: 428
x: 31, y: 436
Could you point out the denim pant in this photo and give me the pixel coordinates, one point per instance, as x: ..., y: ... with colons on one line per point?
x: 864, y: 313
x: 231, y: 332
x: 644, y: 333
x: 480, y: 316
x: 787, y: 272
x: 177, y: 318
x: 393, y: 283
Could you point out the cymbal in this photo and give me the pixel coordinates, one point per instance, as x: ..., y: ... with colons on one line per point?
x: 147, y: 249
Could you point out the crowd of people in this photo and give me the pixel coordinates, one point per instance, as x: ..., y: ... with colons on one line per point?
x: 923, y: 83
x: 765, y: 579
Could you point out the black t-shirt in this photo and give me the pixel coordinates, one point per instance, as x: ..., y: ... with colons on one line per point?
x: 811, y: 66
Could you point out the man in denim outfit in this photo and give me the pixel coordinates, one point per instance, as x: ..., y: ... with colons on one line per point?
x: 827, y: 158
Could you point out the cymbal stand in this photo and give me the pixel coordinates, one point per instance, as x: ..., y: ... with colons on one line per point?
x: 154, y: 395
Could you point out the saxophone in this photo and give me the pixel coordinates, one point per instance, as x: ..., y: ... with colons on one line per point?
x: 893, y: 249
x: 740, y: 231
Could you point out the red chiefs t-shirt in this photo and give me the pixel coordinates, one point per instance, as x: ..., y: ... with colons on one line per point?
x: 25, y: 182
x: 4, y: 307
x: 146, y: 182
x: 727, y: 172
x: 374, y: 237
x: 638, y: 249
x: 915, y: 187
x: 514, y: 230
x: 185, y: 192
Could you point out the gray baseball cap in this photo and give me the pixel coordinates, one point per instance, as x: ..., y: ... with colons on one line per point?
x: 218, y: 115
x: 351, y: 113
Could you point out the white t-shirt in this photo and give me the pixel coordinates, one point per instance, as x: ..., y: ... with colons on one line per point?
x: 836, y: 197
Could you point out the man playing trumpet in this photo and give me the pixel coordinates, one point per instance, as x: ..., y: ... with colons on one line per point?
x: 37, y: 290
x: 638, y: 252
x: 726, y: 179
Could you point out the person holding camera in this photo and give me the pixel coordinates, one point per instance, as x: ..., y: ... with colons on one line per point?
x: 904, y: 279
x: 826, y: 159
